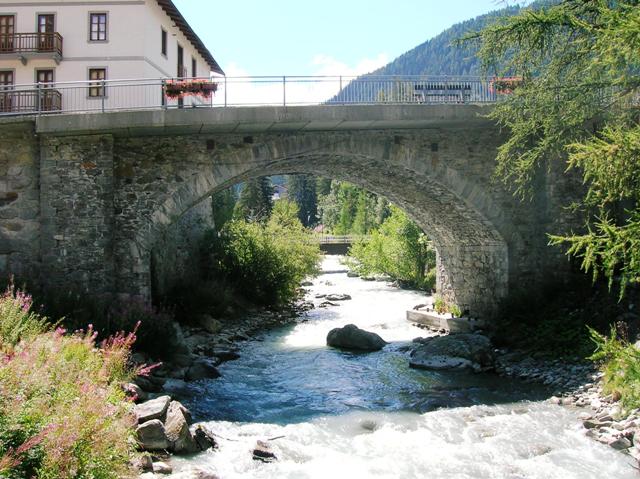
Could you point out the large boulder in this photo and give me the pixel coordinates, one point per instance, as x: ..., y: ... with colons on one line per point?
x: 177, y: 430
x: 352, y: 337
x: 455, y: 351
x: 152, y: 435
x: 202, y: 369
x: 153, y: 409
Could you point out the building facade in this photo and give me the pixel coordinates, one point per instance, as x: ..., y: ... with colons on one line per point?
x: 56, y: 42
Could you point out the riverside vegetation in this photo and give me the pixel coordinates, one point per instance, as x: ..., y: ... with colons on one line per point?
x: 63, y: 413
x: 577, y: 107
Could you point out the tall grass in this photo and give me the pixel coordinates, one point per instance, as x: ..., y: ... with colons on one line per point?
x: 63, y: 413
x: 17, y: 321
x: 620, y: 363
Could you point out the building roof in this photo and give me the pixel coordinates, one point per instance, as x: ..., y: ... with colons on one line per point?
x: 181, y: 23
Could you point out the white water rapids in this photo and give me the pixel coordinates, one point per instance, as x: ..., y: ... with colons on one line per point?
x: 342, y: 415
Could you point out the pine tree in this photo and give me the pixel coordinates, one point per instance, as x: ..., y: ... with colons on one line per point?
x: 578, y: 104
x: 256, y: 200
x: 302, y: 190
x: 222, y: 206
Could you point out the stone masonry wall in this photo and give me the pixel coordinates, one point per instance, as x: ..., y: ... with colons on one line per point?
x: 175, y: 257
x: 77, y: 212
x: 19, y: 203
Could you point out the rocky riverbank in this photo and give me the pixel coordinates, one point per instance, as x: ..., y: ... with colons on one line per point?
x: 575, y: 383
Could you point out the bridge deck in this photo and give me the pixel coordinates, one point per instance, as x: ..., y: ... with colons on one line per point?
x: 259, y: 119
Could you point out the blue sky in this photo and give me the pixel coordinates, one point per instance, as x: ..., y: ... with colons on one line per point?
x: 332, y: 37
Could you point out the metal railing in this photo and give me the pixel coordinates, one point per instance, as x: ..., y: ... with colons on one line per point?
x: 45, y: 100
x: 339, y: 239
x: 138, y: 94
x: 31, y: 43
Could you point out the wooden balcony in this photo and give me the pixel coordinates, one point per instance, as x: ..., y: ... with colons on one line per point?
x: 31, y: 45
x: 30, y: 101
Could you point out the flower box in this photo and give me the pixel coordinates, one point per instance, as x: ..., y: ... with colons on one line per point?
x: 176, y: 89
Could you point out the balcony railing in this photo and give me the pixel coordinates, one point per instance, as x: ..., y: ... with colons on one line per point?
x: 31, y: 43
x: 30, y: 101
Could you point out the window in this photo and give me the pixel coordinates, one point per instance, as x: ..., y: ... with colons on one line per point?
x: 164, y: 42
x: 182, y: 71
x: 98, y: 27
x: 45, y: 32
x: 7, y: 31
x: 96, y: 87
x: 6, y: 85
x: 194, y: 68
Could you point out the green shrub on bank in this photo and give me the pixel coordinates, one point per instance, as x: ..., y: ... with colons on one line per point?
x: 156, y: 334
x: 553, y: 320
x: 399, y: 249
x: 620, y: 363
x: 62, y: 410
x: 264, y: 262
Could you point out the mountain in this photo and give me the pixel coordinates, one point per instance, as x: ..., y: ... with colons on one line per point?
x: 438, y: 56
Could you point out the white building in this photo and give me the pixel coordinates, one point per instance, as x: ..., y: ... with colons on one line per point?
x: 103, y: 41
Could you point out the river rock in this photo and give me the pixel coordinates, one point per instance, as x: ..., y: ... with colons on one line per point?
x: 204, y: 439
x: 225, y: 355
x: 338, y: 297
x: 153, y: 409
x: 263, y: 452
x: 142, y: 463
x: 134, y: 392
x: 152, y: 436
x: 352, y: 337
x: 324, y: 304
x: 457, y: 351
x: 209, y: 323
x: 162, y: 468
x: 148, y: 384
x: 202, y: 369
x: 177, y: 430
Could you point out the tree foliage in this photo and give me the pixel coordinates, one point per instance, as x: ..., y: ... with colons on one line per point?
x: 578, y: 103
x: 399, y: 249
x: 302, y: 190
x: 222, y: 206
x: 265, y: 262
x: 349, y: 209
x: 255, y: 202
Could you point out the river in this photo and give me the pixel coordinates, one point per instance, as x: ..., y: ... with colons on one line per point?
x: 345, y: 415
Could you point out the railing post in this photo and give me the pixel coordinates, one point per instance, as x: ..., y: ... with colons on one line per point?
x: 340, y: 91
x: 164, y: 94
x: 104, y: 93
x: 39, y: 98
x: 284, y: 91
x: 225, y: 90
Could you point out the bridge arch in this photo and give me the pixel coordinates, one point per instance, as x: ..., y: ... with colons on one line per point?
x: 425, y: 173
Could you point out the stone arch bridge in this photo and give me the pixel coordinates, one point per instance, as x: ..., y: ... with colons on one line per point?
x: 85, y: 199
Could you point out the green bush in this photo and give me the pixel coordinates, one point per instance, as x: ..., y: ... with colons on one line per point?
x: 553, y: 319
x: 620, y: 363
x: 264, y: 262
x: 399, y: 249
x: 439, y: 305
x: 156, y: 334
